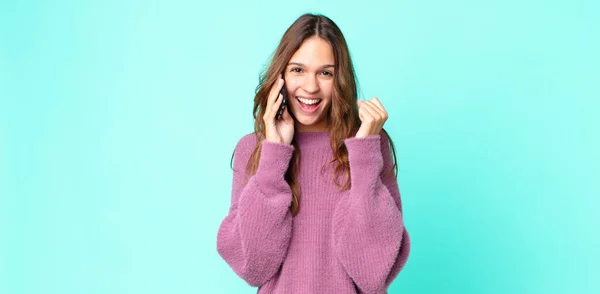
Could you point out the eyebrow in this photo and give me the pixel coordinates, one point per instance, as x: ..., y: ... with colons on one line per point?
x: 302, y: 65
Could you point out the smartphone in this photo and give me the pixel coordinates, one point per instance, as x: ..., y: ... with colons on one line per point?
x: 284, y: 93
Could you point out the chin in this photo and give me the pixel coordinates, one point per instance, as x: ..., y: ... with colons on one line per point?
x: 307, y: 123
x: 307, y: 120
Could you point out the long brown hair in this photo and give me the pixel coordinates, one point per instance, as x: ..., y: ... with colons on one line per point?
x: 343, y: 117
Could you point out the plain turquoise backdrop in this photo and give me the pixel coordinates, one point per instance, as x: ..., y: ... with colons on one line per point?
x: 118, y: 120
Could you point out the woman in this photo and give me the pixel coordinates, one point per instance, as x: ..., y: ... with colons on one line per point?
x: 315, y: 204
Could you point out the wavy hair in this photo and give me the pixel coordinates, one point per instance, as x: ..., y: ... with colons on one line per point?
x: 343, y: 117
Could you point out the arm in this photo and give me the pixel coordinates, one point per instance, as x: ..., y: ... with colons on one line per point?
x: 254, y: 237
x: 370, y: 239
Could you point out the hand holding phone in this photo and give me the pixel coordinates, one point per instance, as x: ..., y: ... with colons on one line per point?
x: 279, y: 122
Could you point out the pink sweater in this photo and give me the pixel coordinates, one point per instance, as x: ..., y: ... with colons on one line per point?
x: 340, y: 242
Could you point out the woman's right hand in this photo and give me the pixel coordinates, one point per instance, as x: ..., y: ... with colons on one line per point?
x: 278, y: 131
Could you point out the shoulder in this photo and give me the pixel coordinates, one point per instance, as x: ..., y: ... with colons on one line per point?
x: 243, y: 150
x: 247, y: 141
x: 246, y: 145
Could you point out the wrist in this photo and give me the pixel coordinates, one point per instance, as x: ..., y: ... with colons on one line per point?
x: 273, y: 140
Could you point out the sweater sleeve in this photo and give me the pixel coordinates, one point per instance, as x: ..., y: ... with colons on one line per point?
x: 370, y: 239
x: 254, y: 237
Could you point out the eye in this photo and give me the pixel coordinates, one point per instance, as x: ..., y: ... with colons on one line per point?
x: 327, y: 73
x: 296, y: 69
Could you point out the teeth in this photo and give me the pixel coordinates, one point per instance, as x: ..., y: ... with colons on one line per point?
x: 309, y: 101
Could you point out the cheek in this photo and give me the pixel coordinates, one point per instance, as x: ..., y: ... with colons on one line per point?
x: 328, y: 90
x: 292, y: 85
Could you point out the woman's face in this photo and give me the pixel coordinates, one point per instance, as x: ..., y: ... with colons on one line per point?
x: 309, y: 81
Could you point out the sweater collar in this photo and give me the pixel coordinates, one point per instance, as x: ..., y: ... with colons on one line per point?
x: 310, y: 138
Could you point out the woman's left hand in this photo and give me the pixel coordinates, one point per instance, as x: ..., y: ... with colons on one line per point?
x: 372, y: 115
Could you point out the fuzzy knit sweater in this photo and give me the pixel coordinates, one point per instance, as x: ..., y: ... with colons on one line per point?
x: 353, y: 241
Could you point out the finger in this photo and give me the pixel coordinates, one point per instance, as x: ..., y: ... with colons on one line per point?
x: 276, y: 85
x: 274, y: 94
x: 380, y: 115
x: 364, y: 114
x: 378, y: 104
x: 271, y: 111
x: 360, y: 111
x: 360, y: 103
x: 287, y: 117
x: 275, y: 91
x: 372, y: 109
x: 276, y: 105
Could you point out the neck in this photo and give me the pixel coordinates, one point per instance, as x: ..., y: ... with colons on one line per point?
x: 319, y: 127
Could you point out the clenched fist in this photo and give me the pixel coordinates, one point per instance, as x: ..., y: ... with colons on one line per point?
x: 372, y: 115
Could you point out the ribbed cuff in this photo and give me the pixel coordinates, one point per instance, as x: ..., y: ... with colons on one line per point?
x: 364, y: 155
x: 274, y: 162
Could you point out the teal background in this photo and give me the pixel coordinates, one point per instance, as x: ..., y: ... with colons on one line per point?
x: 118, y: 120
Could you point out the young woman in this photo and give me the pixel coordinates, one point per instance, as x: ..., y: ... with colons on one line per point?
x: 315, y: 204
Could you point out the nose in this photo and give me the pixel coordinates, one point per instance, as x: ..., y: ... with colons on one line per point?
x: 311, y: 84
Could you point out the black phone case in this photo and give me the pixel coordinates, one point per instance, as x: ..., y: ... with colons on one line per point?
x: 284, y: 102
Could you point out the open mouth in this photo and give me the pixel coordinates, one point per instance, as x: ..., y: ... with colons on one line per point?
x: 309, y: 101
x: 309, y: 105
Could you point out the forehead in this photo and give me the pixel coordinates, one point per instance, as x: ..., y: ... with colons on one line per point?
x: 314, y: 52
